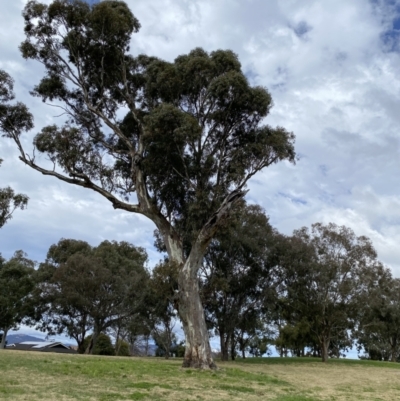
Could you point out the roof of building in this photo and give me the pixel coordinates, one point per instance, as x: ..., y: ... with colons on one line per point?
x: 48, y: 344
x: 55, y: 346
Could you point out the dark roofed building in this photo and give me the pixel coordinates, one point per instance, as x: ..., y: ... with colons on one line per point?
x: 42, y: 347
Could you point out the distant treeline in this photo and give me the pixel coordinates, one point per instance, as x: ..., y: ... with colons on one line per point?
x: 318, y: 293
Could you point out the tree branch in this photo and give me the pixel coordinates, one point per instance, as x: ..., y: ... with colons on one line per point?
x: 85, y: 183
x: 207, y: 232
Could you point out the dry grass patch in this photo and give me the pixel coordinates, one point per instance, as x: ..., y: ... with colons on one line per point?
x: 337, y: 380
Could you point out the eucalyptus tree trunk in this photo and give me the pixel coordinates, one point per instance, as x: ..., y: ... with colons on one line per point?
x: 3, y: 339
x: 197, y: 345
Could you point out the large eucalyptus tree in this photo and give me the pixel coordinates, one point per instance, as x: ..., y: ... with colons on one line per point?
x: 191, y: 138
x: 14, y: 114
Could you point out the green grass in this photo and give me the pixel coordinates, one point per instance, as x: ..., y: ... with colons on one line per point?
x: 36, y: 376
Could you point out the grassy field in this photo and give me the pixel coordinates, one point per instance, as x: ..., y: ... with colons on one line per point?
x: 43, y: 376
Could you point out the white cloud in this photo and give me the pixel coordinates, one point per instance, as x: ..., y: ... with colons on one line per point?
x: 333, y: 82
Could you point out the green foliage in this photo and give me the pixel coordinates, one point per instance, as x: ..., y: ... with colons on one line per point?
x: 103, y: 345
x: 379, y: 330
x: 9, y: 202
x: 194, y: 126
x: 323, y: 275
x: 161, y: 304
x: 258, y: 346
x: 122, y: 348
x: 17, y: 282
x: 237, y: 278
x: 192, y: 137
x: 168, y: 345
x: 91, y: 288
x: 296, y: 337
x: 14, y: 118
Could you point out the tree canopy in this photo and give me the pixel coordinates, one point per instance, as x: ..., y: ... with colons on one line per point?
x: 86, y: 288
x: 322, y: 280
x: 174, y: 141
x: 17, y: 282
x: 13, y: 118
x: 236, y: 278
x: 378, y: 333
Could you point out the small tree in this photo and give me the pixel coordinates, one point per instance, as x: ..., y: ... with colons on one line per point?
x: 258, y: 346
x: 93, y: 288
x: 323, y: 274
x: 122, y: 348
x: 17, y: 282
x: 117, y: 284
x: 379, y: 329
x: 191, y: 138
x: 59, y: 307
x: 163, y: 289
x: 103, y: 345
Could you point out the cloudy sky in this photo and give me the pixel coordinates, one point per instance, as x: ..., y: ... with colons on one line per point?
x: 333, y: 68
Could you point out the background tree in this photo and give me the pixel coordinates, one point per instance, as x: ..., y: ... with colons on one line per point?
x: 60, y: 309
x: 236, y: 278
x: 258, y: 346
x: 295, y: 336
x: 121, y: 348
x: 102, y: 346
x: 17, y: 282
x: 136, y: 331
x: 191, y: 140
x: 118, y: 282
x: 164, y: 289
x: 379, y: 330
x: 93, y: 288
x: 323, y: 271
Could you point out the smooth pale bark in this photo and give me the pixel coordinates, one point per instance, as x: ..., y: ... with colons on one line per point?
x: 197, y: 345
x: 3, y: 339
